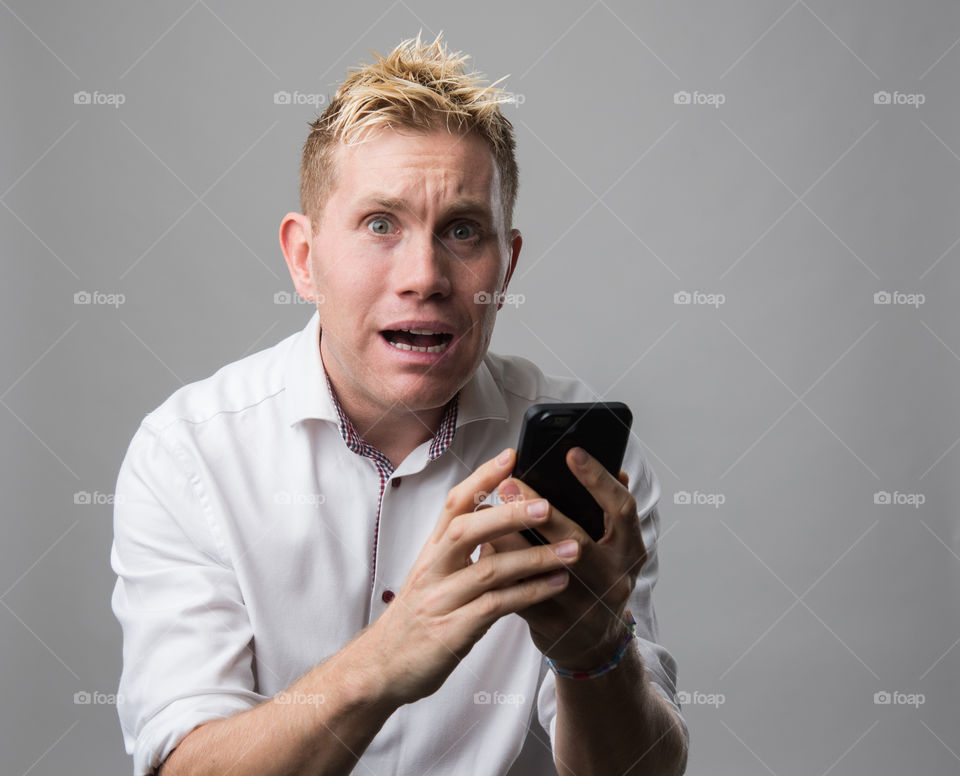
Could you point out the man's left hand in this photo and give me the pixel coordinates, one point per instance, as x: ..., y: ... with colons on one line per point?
x: 582, y: 627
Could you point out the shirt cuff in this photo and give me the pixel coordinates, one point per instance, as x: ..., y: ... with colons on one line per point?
x: 169, y: 726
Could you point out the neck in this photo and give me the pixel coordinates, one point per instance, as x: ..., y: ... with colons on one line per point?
x: 395, y: 432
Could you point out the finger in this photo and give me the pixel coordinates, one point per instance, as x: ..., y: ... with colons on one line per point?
x: 463, y: 497
x: 558, y: 527
x: 575, y: 594
x: 464, y: 532
x: 488, y: 549
x: 509, y: 542
x: 608, y: 491
x: 495, y: 603
x: 589, y: 572
x: 499, y: 571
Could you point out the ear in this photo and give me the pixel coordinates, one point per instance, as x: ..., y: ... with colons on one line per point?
x: 516, y: 243
x: 295, y: 242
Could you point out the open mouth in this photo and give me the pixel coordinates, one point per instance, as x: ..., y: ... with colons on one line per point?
x: 417, y: 340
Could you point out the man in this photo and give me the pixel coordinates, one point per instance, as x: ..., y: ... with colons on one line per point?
x: 295, y: 545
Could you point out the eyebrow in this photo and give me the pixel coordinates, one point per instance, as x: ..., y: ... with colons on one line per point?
x: 459, y: 207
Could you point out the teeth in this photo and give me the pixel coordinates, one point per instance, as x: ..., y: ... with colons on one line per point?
x: 419, y: 349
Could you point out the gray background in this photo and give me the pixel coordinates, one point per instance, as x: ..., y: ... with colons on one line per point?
x: 796, y: 400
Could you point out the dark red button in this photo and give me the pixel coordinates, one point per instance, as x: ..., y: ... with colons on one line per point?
x: 388, y: 596
x: 396, y: 482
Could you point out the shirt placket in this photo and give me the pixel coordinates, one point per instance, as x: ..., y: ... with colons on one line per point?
x: 355, y: 443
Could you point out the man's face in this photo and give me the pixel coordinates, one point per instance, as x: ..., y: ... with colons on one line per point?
x: 412, y: 238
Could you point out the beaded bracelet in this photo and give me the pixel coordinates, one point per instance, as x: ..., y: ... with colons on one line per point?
x: 632, y: 625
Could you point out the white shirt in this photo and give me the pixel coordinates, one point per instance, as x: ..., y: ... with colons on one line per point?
x: 248, y: 548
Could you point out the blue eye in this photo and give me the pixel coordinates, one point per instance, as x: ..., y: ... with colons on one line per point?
x: 463, y: 231
x: 379, y: 226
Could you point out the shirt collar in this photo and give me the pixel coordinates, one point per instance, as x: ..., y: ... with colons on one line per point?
x: 441, y: 440
x: 308, y: 393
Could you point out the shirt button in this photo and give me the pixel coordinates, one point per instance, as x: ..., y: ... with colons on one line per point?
x: 395, y: 482
x: 388, y: 596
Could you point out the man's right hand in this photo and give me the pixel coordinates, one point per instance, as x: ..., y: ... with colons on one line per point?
x: 447, y: 603
x: 443, y: 608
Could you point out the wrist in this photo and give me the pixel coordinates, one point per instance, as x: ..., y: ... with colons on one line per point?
x: 603, y: 659
x: 363, y: 677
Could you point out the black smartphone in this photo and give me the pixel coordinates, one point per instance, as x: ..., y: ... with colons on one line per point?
x: 548, y: 432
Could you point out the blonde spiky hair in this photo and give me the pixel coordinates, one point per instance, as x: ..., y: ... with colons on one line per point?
x: 419, y: 86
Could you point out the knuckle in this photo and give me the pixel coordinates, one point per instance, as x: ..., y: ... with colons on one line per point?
x: 594, y: 472
x: 417, y: 579
x: 490, y: 603
x: 456, y: 529
x: 518, y: 510
x: 485, y: 570
x: 628, y: 506
x: 451, y: 501
x: 545, y: 558
x: 427, y: 604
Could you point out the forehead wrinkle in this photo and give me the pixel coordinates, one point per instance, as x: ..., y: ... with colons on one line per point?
x: 446, y: 192
x: 459, y: 206
x: 426, y: 175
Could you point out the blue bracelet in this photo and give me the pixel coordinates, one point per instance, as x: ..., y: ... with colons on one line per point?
x: 632, y: 625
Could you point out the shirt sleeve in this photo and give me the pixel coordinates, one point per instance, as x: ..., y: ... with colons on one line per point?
x: 186, y: 634
x: 660, y: 665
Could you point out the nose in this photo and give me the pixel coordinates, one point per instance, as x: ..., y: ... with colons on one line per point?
x: 422, y: 267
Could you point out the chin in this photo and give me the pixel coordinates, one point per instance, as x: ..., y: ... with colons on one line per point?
x: 420, y: 395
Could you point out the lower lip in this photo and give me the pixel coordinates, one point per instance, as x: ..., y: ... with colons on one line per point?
x: 418, y: 357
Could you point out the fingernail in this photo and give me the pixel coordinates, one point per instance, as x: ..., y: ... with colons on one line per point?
x: 579, y: 456
x: 557, y: 580
x: 567, y: 549
x: 537, y: 508
x: 504, y: 457
x: 508, y: 490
